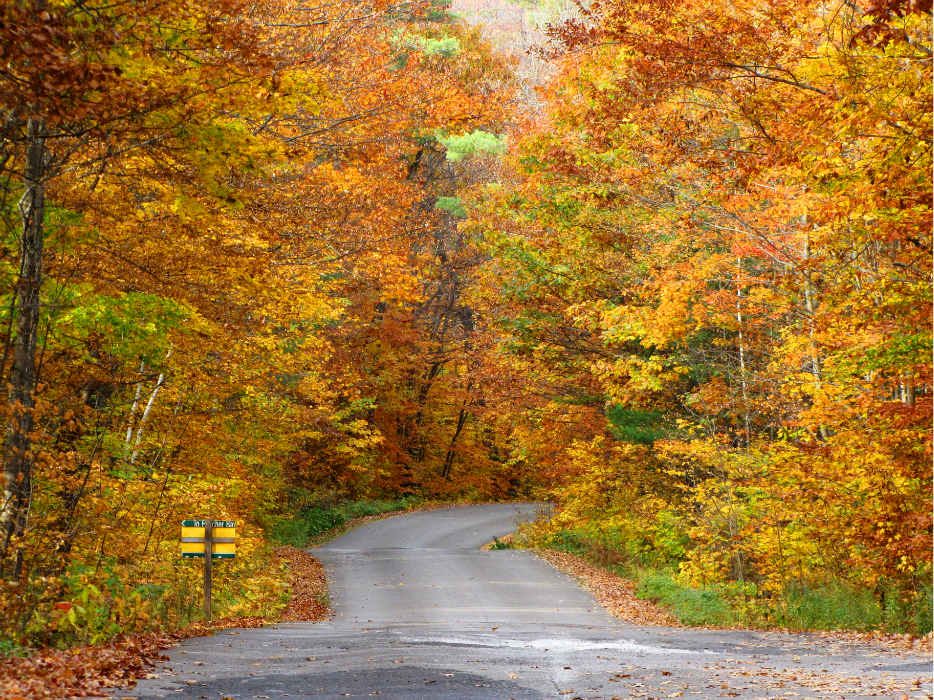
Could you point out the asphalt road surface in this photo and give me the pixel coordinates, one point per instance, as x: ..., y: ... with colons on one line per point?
x: 420, y: 612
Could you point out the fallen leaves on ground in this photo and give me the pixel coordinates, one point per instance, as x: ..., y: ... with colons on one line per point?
x: 309, y: 587
x: 734, y: 674
x: 81, y: 672
x: 615, y: 593
x: 753, y: 678
x: 892, y: 642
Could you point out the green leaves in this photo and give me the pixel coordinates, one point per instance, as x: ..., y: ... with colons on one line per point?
x: 633, y: 425
x: 451, y: 205
x: 472, y: 143
x: 135, y: 326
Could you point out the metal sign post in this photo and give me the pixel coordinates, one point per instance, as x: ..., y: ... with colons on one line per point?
x: 201, y: 537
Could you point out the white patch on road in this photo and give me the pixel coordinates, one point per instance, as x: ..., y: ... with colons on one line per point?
x: 556, y: 645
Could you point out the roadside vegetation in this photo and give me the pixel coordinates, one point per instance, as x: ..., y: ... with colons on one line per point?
x: 106, y: 666
x: 93, y: 606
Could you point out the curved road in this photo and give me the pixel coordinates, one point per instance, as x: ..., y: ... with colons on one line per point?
x: 427, y: 568
x: 420, y: 612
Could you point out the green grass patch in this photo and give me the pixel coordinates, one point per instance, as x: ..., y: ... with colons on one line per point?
x: 570, y: 542
x: 829, y: 607
x: 690, y: 606
x: 835, y: 605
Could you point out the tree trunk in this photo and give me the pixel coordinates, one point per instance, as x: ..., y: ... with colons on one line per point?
x: 142, y: 421
x: 130, y: 420
x: 449, y: 457
x: 17, y: 456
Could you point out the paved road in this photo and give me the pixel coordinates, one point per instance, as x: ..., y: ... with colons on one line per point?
x: 421, y: 613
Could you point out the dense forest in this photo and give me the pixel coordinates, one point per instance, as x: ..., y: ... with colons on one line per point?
x: 665, y: 264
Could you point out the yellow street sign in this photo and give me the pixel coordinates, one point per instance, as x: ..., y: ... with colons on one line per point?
x: 223, y: 539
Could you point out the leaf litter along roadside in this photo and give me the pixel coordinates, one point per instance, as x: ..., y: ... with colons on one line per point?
x: 309, y: 601
x: 99, y: 671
